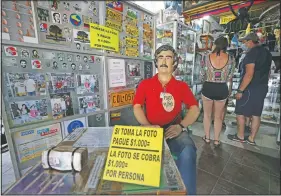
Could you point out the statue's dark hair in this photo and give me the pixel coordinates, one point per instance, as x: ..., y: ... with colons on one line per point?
x: 166, y: 48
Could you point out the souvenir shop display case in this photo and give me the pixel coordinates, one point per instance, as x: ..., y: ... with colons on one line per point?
x: 54, y: 81
x: 182, y: 38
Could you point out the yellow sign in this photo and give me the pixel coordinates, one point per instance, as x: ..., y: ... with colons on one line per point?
x: 113, y: 25
x: 104, y: 38
x: 122, y: 98
x: 226, y: 19
x: 131, y: 30
x: 132, y: 52
x: 113, y: 15
x: 132, y: 42
x: 135, y: 155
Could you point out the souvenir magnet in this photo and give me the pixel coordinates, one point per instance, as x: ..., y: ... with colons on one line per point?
x: 54, y: 5
x: 66, y: 5
x: 24, y: 53
x: 43, y: 27
x: 64, y: 66
x: 43, y: 14
x: 61, y: 56
x: 87, y: 66
x: 85, y: 59
x: 73, y: 66
x: 36, y: 64
x: 64, y: 18
x: 78, y: 58
x: 56, y: 17
x: 35, y: 54
x: 80, y: 67
x: 69, y: 57
x: 77, y: 8
x: 10, y: 51
x: 78, y: 46
x: 75, y: 20
x: 55, y: 65
x: 93, y: 59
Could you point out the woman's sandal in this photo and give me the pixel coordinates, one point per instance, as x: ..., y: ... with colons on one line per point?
x: 205, y: 140
x: 218, y: 144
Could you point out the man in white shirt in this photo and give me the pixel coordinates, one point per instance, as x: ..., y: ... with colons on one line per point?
x: 30, y: 86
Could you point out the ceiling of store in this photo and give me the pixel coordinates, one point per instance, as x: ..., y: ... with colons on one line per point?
x: 256, y: 10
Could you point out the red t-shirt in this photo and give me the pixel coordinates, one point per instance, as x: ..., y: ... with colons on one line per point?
x: 149, y: 91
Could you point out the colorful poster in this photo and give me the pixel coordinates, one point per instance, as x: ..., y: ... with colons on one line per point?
x: 27, y: 84
x: 29, y: 111
x: 70, y: 125
x: 88, y: 104
x: 31, y: 143
x: 87, y: 83
x: 116, y: 73
x: 61, y: 105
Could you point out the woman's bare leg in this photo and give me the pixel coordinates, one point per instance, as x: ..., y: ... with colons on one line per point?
x: 219, y: 115
x: 207, y: 120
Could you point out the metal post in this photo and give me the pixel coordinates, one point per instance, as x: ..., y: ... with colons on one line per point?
x: 12, y: 149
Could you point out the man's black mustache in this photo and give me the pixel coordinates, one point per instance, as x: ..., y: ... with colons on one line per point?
x: 164, y: 65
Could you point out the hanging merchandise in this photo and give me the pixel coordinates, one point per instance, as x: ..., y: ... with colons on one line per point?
x: 184, y: 45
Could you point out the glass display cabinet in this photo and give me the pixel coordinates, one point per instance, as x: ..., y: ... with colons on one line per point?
x: 182, y: 38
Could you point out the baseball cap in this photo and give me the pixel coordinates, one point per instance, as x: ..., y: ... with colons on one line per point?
x: 250, y: 36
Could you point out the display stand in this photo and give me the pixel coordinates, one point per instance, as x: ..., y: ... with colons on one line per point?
x: 54, y: 81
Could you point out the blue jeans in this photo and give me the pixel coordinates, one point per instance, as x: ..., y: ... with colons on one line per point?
x: 31, y: 93
x: 183, y: 148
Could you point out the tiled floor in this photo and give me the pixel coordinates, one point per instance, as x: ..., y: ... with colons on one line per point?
x: 232, y: 170
x: 225, y: 170
x: 265, y: 140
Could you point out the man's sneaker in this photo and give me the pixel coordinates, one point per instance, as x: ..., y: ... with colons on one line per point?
x: 235, y: 138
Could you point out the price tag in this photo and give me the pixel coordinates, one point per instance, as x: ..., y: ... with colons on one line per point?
x: 135, y: 155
